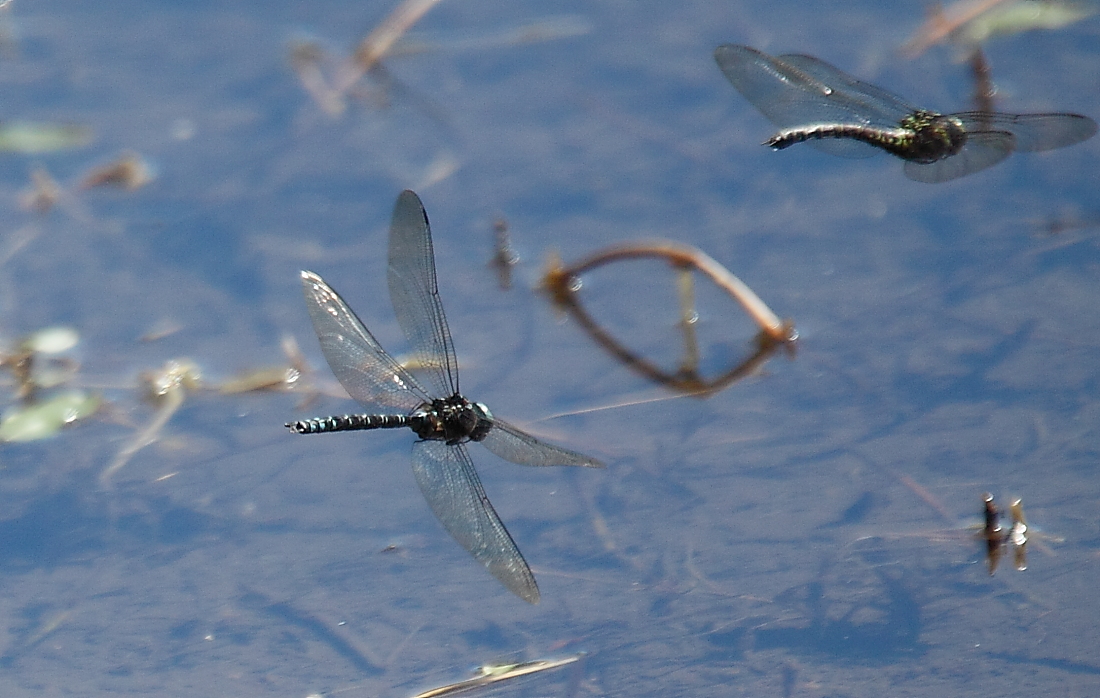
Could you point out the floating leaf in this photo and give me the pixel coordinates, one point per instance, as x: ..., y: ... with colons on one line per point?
x: 272, y: 378
x: 32, y: 138
x: 44, y: 419
x: 51, y: 340
x: 1024, y: 15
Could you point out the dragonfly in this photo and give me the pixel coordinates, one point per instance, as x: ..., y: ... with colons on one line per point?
x: 811, y: 101
x: 444, y: 420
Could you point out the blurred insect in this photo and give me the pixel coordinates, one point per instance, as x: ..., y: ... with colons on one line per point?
x: 997, y: 539
x: 811, y: 101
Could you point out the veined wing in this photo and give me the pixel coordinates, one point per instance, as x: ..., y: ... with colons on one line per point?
x: 448, y: 481
x: 791, y: 97
x: 1033, y: 131
x: 415, y: 296
x: 983, y: 149
x: 362, y: 366
x: 880, y: 107
x: 795, y: 90
x: 517, y: 446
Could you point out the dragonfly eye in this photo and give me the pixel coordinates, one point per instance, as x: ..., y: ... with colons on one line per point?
x: 482, y: 410
x: 481, y: 430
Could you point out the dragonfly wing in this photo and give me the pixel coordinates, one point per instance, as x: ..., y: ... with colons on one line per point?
x: 880, y: 107
x: 786, y: 99
x: 792, y: 94
x: 448, y: 481
x: 362, y: 366
x: 415, y: 296
x: 516, y: 446
x: 983, y: 149
x: 1033, y: 131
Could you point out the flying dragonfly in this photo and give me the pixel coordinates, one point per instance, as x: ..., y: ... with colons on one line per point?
x: 814, y: 102
x: 443, y: 419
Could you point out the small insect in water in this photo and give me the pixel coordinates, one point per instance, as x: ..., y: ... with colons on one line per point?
x: 811, y: 101
x: 997, y: 539
x: 443, y: 419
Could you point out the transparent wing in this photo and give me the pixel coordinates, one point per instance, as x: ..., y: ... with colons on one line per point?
x: 982, y: 150
x: 362, y: 366
x: 519, y: 447
x: 883, y: 108
x: 448, y: 481
x: 1033, y: 131
x: 796, y: 90
x: 415, y: 296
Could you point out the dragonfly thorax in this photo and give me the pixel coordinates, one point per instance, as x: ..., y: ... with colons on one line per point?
x: 454, y: 420
x: 935, y: 137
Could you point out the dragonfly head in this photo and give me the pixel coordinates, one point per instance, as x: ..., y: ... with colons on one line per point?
x: 454, y: 420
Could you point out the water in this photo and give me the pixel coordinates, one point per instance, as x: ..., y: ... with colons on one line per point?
x: 949, y: 348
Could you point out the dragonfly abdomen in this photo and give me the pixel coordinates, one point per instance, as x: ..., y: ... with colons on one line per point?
x: 348, y: 422
x: 885, y: 138
x: 924, y: 137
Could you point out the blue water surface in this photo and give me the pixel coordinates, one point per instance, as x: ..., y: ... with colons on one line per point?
x: 799, y: 534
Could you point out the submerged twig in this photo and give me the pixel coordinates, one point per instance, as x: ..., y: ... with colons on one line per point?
x: 490, y: 674
x: 504, y: 255
x: 168, y: 387
x: 942, y: 22
x: 984, y: 89
x: 559, y: 279
x: 276, y: 378
x: 129, y: 171
x: 562, y: 284
x: 378, y: 43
